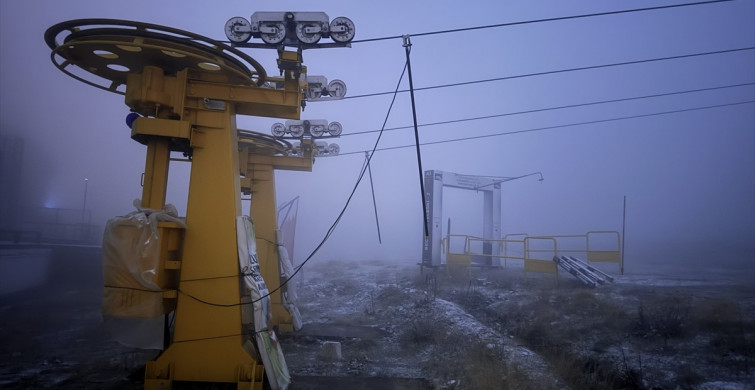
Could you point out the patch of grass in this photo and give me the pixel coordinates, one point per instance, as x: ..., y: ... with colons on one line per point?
x: 474, y: 301
x: 422, y: 329
x: 579, y: 332
x: 577, y: 316
x: 665, y: 317
x: 391, y: 295
x: 730, y: 343
x: 370, y: 308
x: 728, y: 331
x: 589, y: 372
x: 502, y: 279
x: 687, y: 377
x: 461, y: 365
x: 717, y: 315
x: 484, y: 367
x: 556, y: 320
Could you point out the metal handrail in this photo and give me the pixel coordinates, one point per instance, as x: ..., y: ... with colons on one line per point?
x: 590, y: 253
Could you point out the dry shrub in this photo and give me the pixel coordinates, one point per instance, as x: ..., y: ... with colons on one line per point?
x: 502, y: 279
x: 724, y: 321
x: 687, y: 377
x: 589, y: 372
x: 665, y: 317
x: 423, y: 328
x: 556, y: 320
x: 484, y: 368
x: 718, y: 315
x: 392, y: 295
x: 461, y: 365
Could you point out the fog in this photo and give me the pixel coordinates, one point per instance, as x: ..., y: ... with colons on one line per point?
x: 684, y: 163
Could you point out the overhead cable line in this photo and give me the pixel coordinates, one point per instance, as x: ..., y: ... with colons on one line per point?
x: 552, y: 108
x: 558, y: 71
x: 554, y: 19
x: 372, y: 189
x: 327, y: 234
x: 558, y: 126
x: 364, y: 169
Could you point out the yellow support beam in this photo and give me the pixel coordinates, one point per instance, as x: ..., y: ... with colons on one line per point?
x: 251, y: 100
x: 286, y: 163
x: 208, y: 334
x: 146, y: 127
x: 264, y: 214
x: 208, y: 339
x: 258, y: 171
x: 155, y: 182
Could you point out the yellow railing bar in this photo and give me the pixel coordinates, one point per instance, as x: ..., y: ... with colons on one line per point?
x: 539, y: 265
x: 607, y: 256
x: 528, y: 252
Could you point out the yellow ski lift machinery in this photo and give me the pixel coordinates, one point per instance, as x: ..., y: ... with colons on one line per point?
x: 184, y: 91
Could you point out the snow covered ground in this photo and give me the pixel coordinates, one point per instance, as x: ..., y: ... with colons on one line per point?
x: 486, y: 329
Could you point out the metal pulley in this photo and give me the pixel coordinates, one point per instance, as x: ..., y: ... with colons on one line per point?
x: 322, y: 149
x: 319, y: 89
x: 299, y: 29
x: 313, y: 127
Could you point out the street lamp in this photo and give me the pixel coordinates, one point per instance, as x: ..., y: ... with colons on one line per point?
x: 505, y: 179
x: 84, y: 205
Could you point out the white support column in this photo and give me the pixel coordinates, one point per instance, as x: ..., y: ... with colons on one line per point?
x: 434, y: 201
x: 491, y: 223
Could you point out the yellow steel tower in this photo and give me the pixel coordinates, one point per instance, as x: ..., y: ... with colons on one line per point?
x: 187, y: 90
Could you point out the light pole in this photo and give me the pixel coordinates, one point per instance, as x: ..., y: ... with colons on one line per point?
x: 503, y: 180
x: 84, y: 205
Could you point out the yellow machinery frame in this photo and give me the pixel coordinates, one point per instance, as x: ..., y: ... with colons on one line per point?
x: 189, y: 96
x: 207, y: 339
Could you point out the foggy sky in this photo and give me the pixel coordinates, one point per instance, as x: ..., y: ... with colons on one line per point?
x: 689, y: 177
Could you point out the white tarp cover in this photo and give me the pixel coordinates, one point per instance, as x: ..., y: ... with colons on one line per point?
x: 256, y: 308
x: 289, y: 288
x: 287, y: 225
x: 132, y: 303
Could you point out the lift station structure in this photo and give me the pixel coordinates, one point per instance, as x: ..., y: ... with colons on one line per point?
x: 184, y: 92
x: 597, y: 246
x: 435, y: 181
